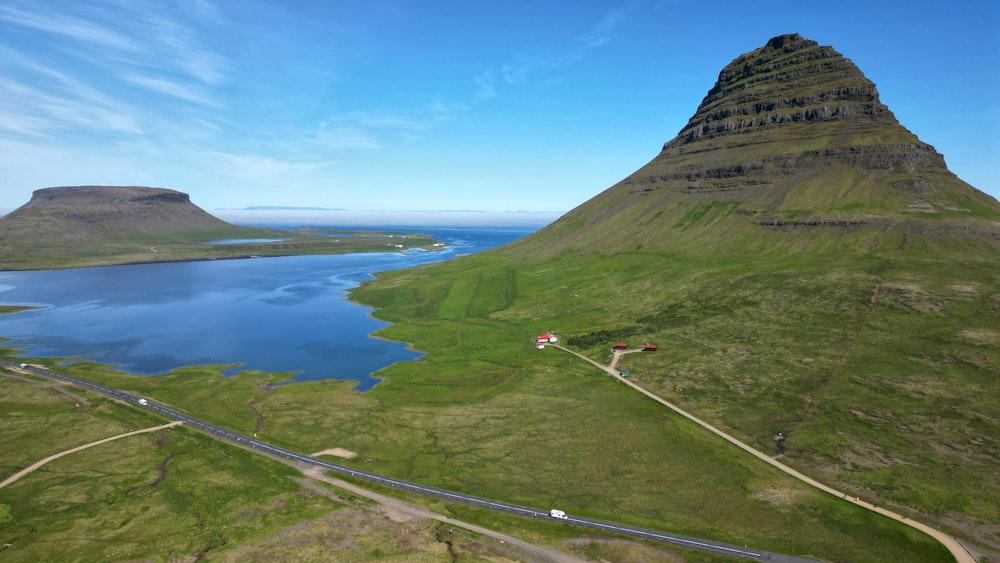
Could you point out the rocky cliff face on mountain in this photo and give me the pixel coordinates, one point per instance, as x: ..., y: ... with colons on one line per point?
x: 95, y: 214
x: 791, y: 135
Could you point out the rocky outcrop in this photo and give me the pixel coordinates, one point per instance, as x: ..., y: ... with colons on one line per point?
x: 789, y: 80
x: 102, y: 195
x: 781, y: 110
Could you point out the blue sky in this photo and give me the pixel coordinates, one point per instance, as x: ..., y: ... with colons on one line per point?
x: 437, y: 105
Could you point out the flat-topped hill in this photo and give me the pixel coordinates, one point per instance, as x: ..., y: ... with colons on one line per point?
x: 77, y: 226
x: 94, y: 214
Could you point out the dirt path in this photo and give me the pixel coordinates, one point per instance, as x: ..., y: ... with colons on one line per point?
x: 398, y: 509
x: 38, y: 464
x: 958, y: 552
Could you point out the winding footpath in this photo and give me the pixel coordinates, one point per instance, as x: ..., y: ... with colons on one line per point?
x: 956, y: 549
x: 54, y: 457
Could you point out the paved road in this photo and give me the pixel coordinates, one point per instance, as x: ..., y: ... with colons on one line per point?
x: 960, y: 554
x: 254, y: 444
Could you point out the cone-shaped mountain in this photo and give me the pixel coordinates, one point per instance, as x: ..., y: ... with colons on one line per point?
x: 791, y: 136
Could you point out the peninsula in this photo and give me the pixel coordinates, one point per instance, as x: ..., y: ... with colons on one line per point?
x: 77, y: 226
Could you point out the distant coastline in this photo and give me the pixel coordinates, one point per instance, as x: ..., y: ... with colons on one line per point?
x: 278, y: 215
x: 275, y: 216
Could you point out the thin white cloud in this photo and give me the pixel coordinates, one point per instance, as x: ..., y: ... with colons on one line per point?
x: 48, y: 100
x: 47, y: 112
x: 130, y: 39
x: 50, y: 21
x: 163, y: 86
x: 524, y: 69
x: 602, y: 33
x: 386, y: 121
x: 485, y: 86
x: 18, y: 122
x: 183, y: 50
x: 342, y: 137
x: 257, y: 169
x: 370, y: 129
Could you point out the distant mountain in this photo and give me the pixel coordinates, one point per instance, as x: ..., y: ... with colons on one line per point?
x: 95, y: 214
x: 288, y: 208
x: 792, y: 141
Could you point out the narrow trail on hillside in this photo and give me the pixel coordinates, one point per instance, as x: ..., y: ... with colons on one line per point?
x: 956, y: 549
x: 845, y: 348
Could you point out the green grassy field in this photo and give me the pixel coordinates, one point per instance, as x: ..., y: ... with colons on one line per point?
x: 172, y: 494
x: 177, y: 494
x: 550, y: 433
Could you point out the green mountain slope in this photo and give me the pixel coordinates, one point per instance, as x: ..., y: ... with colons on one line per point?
x: 805, y: 264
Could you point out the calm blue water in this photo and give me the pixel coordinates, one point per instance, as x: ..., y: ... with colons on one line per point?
x: 287, y: 314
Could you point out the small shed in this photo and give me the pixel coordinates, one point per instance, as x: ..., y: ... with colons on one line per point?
x: 619, y: 346
x: 649, y: 348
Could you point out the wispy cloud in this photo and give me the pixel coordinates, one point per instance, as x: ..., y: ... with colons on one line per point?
x: 150, y: 45
x: 254, y: 168
x: 53, y: 22
x: 186, y: 55
x: 170, y: 88
x: 46, y: 100
x: 526, y: 68
x: 372, y: 129
x: 604, y: 30
x: 331, y: 136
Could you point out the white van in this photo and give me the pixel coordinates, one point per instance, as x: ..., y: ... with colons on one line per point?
x: 143, y: 402
x: 555, y: 513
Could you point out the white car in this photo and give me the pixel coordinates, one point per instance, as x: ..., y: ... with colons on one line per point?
x: 555, y: 513
x: 22, y: 366
x: 143, y: 402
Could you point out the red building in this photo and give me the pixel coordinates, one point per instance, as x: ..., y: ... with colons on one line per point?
x: 620, y: 346
x: 649, y: 348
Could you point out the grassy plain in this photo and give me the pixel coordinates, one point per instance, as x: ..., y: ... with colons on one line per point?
x: 180, y: 495
x: 172, y: 494
x: 551, y: 432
